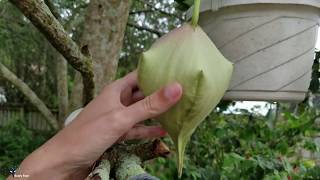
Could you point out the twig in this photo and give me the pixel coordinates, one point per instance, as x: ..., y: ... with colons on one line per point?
x: 144, y: 28
x: 140, y: 11
x: 162, y: 11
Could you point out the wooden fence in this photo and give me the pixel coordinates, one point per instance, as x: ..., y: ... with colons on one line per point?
x: 33, y: 118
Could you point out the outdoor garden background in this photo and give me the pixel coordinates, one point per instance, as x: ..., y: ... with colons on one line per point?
x: 268, y: 140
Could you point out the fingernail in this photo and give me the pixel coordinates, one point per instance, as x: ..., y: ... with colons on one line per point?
x: 172, y: 91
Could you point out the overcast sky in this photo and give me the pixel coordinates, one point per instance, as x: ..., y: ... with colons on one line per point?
x: 318, y: 42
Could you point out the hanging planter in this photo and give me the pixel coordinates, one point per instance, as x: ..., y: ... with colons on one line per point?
x: 270, y: 42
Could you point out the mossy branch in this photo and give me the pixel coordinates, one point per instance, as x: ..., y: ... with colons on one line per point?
x: 129, y: 167
x: 42, y: 18
x: 101, y: 172
x: 126, y: 161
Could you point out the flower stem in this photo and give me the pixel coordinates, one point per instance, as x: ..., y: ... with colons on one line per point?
x: 196, y: 11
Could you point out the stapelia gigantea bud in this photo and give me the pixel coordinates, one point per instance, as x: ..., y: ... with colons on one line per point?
x: 185, y: 55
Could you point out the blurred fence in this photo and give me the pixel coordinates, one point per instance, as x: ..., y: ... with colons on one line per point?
x: 33, y: 118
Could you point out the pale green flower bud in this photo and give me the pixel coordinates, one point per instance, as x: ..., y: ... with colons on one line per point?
x: 188, y: 56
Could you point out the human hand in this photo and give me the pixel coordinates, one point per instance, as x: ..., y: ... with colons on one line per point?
x: 110, y: 116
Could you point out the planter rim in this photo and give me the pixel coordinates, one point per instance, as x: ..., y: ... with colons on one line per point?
x: 215, y: 5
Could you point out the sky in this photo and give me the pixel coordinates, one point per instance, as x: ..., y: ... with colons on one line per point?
x: 318, y: 42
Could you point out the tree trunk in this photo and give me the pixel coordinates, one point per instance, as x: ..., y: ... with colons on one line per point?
x: 104, y: 30
x: 62, y: 85
x: 76, y: 94
x: 33, y: 98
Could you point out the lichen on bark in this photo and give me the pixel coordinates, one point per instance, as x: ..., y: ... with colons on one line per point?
x: 102, y: 171
x: 129, y: 166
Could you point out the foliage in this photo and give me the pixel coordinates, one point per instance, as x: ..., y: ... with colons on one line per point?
x: 315, y: 84
x: 25, y: 52
x: 246, y: 147
x: 16, y: 142
x: 184, y: 4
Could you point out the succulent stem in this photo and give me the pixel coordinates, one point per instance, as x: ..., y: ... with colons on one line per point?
x: 196, y: 11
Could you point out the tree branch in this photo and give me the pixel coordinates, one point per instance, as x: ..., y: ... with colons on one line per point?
x: 129, y: 167
x: 29, y: 93
x: 126, y: 160
x: 41, y: 17
x: 101, y: 172
x: 53, y: 9
x: 146, y: 151
x: 151, y: 150
x: 141, y: 11
x: 62, y: 74
x: 162, y: 11
x: 144, y: 28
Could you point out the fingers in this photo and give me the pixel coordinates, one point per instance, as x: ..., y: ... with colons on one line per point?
x: 130, y: 80
x: 145, y: 132
x: 137, y: 96
x: 155, y: 104
x: 126, y: 96
x: 129, y: 96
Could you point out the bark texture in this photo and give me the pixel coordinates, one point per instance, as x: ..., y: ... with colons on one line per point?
x: 126, y: 161
x: 41, y: 17
x: 76, y: 94
x: 62, y: 74
x: 101, y: 172
x: 130, y: 168
x: 27, y: 91
x: 62, y: 85
x: 104, y: 29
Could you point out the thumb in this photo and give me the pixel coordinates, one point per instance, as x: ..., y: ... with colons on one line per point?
x: 155, y: 104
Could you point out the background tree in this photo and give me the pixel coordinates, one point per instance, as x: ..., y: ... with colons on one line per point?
x: 101, y: 40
